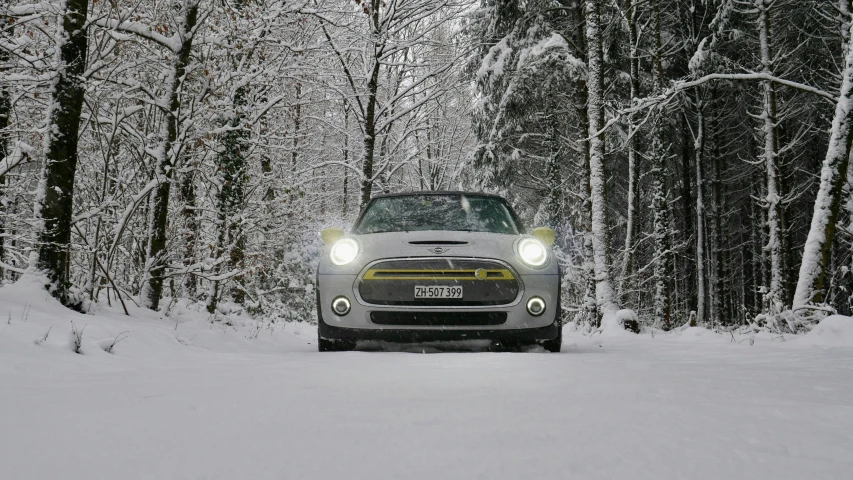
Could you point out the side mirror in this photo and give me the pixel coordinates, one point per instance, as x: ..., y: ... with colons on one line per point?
x: 545, y: 234
x: 331, y: 235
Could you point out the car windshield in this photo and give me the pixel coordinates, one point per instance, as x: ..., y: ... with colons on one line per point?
x: 464, y: 213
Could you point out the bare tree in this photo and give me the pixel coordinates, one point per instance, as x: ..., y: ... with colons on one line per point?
x: 56, y: 192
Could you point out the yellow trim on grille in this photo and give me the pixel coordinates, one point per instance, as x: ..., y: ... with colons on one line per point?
x: 394, y: 274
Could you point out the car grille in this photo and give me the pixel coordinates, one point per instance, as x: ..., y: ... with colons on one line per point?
x: 393, y: 282
x: 438, y: 319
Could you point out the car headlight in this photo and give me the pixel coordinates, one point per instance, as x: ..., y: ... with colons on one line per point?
x: 343, y: 251
x: 532, y: 252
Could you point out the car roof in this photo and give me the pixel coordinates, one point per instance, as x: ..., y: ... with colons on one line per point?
x: 437, y: 192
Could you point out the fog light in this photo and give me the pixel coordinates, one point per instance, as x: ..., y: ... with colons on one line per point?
x: 341, y: 306
x: 536, y: 306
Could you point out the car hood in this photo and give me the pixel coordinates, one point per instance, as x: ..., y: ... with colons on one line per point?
x: 445, y: 244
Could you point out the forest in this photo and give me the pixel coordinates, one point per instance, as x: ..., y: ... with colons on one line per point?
x: 692, y: 155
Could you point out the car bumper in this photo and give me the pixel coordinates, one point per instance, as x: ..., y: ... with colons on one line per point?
x: 410, y: 335
x: 358, y: 325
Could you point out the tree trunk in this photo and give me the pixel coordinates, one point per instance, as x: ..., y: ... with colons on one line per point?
x: 816, y: 253
x: 553, y: 175
x: 370, y: 119
x: 345, y: 206
x: 787, y: 249
x: 5, y: 118
x: 232, y: 193
x: 719, y: 248
x: 590, y: 310
x: 297, y: 124
x: 54, y: 204
x: 768, y: 115
x: 756, y: 243
x: 661, y: 234
x: 688, y: 205
x: 153, y: 286
x: 188, y: 195
x: 699, y: 149
x: 369, y: 140
x: 660, y: 200
x: 233, y: 175
x: 686, y: 190
x: 605, y: 296
x: 633, y: 168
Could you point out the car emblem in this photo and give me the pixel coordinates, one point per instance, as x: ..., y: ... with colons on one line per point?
x: 437, y: 250
x: 480, y: 274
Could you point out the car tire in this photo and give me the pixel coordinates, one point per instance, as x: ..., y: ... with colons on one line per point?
x: 555, y: 344
x: 327, y: 345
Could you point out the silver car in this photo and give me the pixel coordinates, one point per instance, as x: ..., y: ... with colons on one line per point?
x: 436, y: 266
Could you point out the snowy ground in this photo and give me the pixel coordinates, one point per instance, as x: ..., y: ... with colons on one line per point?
x: 180, y: 399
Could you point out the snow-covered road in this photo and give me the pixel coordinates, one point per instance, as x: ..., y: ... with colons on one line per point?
x: 184, y: 398
x: 628, y: 409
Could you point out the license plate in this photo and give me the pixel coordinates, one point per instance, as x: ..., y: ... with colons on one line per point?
x: 437, y: 292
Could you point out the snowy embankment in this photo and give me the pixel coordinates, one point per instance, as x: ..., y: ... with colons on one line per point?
x: 180, y: 398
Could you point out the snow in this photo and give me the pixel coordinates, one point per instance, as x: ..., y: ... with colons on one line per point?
x: 494, y: 62
x: 554, y: 42
x: 701, y: 335
x: 21, y: 154
x: 832, y: 331
x: 613, y: 323
x: 183, y: 398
